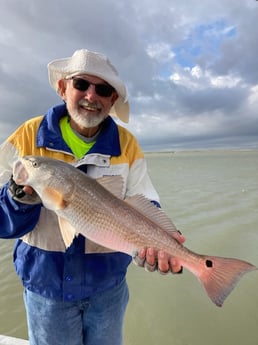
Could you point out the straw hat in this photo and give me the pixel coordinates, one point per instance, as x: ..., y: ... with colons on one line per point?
x: 87, y: 62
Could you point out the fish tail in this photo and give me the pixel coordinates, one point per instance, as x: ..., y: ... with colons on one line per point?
x: 220, y: 275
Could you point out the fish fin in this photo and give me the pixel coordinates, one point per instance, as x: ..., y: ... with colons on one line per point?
x: 53, y: 199
x: 114, y: 184
x: 154, y: 213
x: 220, y: 275
x: 93, y: 247
x: 67, y: 230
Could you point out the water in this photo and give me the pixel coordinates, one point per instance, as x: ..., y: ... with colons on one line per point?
x: 212, y: 198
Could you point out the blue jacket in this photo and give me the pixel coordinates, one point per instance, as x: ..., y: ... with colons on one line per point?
x: 41, y: 260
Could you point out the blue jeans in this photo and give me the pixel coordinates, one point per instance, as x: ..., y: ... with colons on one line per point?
x: 97, y: 320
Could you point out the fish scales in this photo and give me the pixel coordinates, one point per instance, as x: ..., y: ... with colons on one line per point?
x: 101, y: 216
x: 108, y: 215
x: 86, y: 206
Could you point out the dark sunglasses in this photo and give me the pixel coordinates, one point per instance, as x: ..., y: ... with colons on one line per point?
x: 102, y: 90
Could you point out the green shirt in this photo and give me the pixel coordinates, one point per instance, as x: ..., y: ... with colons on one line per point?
x: 77, y: 144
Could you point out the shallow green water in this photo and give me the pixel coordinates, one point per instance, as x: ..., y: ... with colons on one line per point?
x: 212, y: 197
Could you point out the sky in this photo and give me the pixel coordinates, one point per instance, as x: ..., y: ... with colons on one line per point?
x: 190, y: 67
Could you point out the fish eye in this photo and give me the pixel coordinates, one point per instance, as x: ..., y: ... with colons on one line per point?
x: 34, y: 163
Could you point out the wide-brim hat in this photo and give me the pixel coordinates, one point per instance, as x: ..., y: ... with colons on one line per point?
x: 87, y: 62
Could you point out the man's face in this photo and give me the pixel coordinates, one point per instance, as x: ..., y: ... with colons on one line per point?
x: 87, y: 108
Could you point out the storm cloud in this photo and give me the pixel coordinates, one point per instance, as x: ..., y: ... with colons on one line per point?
x: 190, y: 67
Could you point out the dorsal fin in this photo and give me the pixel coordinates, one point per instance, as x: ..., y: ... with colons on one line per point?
x: 149, y: 210
x: 114, y: 184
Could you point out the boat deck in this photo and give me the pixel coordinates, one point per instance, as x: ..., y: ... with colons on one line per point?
x: 5, y: 340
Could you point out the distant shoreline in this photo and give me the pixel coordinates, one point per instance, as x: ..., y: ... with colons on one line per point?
x: 210, y: 150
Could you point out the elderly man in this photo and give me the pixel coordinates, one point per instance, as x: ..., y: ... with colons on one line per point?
x: 79, y: 295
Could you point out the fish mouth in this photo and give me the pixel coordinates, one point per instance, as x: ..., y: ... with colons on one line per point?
x: 20, y: 174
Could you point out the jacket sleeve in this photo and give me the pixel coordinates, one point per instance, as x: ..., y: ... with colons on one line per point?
x: 16, y: 219
x: 139, y: 181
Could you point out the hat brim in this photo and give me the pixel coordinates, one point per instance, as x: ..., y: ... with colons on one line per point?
x: 121, y: 110
x: 60, y: 69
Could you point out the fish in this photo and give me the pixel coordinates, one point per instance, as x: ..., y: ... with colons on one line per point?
x: 96, y: 209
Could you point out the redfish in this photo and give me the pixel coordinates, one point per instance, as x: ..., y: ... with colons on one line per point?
x: 97, y: 210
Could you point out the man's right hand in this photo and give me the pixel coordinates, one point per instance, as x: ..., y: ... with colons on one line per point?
x: 23, y: 194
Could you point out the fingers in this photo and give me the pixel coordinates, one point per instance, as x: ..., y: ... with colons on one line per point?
x: 161, y: 261
x: 28, y: 190
x: 175, y: 266
x: 150, y: 264
x: 139, y: 257
x: 164, y: 264
x: 146, y: 258
x: 178, y: 236
x: 23, y: 194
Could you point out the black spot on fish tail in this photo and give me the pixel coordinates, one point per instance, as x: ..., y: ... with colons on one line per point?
x: 208, y: 263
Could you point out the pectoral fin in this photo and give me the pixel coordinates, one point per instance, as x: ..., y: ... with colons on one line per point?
x: 67, y: 230
x: 53, y: 199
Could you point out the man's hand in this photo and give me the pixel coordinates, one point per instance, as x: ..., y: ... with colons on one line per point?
x: 23, y: 194
x: 152, y: 260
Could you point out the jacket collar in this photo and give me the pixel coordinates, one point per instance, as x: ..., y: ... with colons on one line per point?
x: 49, y: 134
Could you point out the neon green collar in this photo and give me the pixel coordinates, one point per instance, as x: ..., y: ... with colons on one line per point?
x: 78, y: 146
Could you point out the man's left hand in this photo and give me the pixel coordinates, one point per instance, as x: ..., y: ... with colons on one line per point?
x: 152, y: 260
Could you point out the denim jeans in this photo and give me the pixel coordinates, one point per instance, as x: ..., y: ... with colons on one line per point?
x: 97, y: 320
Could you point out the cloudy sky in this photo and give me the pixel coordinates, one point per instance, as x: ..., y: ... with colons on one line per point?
x: 191, y: 67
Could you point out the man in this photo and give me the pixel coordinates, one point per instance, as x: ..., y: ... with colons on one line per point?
x: 79, y: 295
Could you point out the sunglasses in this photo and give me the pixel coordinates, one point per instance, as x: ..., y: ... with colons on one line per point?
x: 102, y: 90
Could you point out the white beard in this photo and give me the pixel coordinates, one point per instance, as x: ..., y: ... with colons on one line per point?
x: 87, y: 121
x: 84, y: 118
